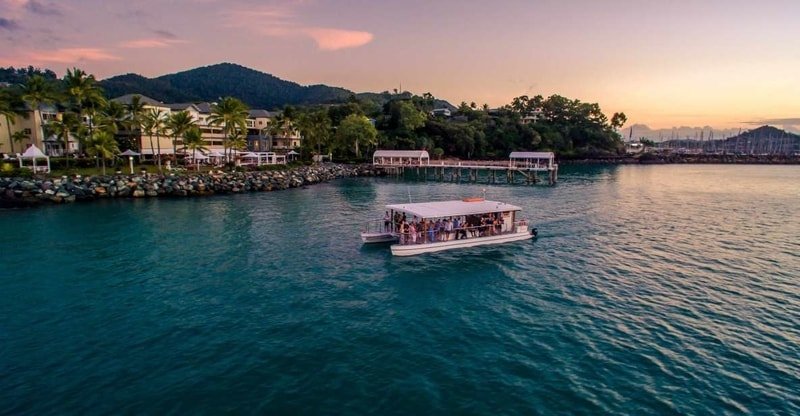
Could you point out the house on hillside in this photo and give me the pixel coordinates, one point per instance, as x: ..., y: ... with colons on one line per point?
x: 531, y: 117
x: 441, y: 112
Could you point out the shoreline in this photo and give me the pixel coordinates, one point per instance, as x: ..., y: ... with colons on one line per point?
x: 26, y: 193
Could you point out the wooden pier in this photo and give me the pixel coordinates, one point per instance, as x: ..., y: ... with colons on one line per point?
x: 527, y: 168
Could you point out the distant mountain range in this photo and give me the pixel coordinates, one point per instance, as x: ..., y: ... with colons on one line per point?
x: 257, y: 89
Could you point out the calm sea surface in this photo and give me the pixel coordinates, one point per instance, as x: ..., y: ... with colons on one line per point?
x: 650, y: 290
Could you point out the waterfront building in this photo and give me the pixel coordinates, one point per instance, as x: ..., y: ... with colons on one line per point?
x: 259, y: 138
x: 147, y: 145
x: 31, y: 127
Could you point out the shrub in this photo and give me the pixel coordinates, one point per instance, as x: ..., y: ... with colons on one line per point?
x: 17, y: 173
x: 271, y: 168
x: 61, y: 162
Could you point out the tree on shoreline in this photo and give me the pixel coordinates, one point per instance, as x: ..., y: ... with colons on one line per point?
x: 62, y: 127
x: 84, y: 95
x: 232, y: 114
x: 280, y: 126
x: 316, y: 128
x: 135, y: 118
x: 102, y: 145
x: 178, y: 124
x: 153, y: 124
x: 354, y: 130
x: 193, y: 140
x: 10, y: 108
x: 37, y: 91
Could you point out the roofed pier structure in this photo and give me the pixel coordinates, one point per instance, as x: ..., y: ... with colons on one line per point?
x: 521, y: 167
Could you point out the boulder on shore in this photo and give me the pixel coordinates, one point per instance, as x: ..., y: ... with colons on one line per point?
x: 18, y: 192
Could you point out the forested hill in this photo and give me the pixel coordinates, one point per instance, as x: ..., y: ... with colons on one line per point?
x: 209, y: 83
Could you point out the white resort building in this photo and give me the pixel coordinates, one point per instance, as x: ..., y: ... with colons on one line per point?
x: 261, y: 138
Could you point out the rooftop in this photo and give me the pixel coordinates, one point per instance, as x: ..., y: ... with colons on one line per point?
x: 401, y: 153
x: 256, y: 113
x: 127, y: 98
x: 532, y: 155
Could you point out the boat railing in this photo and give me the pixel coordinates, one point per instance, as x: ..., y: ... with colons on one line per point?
x: 378, y: 225
x: 460, y: 233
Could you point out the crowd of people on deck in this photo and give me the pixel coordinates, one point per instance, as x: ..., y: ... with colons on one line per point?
x: 423, y: 230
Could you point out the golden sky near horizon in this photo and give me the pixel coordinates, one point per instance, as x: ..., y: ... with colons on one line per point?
x: 693, y: 63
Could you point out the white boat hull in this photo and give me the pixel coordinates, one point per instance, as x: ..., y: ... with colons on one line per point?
x: 377, y: 238
x: 414, y: 249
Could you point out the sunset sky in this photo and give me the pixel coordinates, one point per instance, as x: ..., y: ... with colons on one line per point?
x: 664, y: 63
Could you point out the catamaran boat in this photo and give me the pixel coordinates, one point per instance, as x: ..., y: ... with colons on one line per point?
x: 427, y: 227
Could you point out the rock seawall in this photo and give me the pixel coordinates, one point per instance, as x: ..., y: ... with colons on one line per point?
x: 18, y: 192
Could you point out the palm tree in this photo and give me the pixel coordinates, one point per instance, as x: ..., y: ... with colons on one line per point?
x: 136, y: 113
x: 281, y: 126
x: 102, y: 145
x: 36, y: 91
x: 10, y: 109
x: 153, y: 124
x: 232, y: 114
x: 238, y: 141
x: 62, y: 128
x: 116, y: 114
x: 316, y: 127
x: 178, y: 124
x: 193, y: 140
x: 84, y: 93
x: 19, y: 137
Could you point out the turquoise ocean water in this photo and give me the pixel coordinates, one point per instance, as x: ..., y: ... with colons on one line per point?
x: 650, y: 290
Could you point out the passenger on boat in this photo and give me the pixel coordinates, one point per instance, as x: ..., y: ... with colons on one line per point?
x: 387, y: 222
x: 403, y: 232
x: 396, y: 220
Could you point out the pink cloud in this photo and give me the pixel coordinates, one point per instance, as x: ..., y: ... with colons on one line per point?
x: 150, y: 43
x: 257, y: 16
x: 70, y: 55
x: 281, y: 21
x: 335, y: 39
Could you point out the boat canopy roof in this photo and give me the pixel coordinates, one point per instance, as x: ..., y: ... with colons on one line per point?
x: 453, y: 208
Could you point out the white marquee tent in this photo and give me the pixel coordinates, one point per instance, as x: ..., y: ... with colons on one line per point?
x: 34, y: 153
